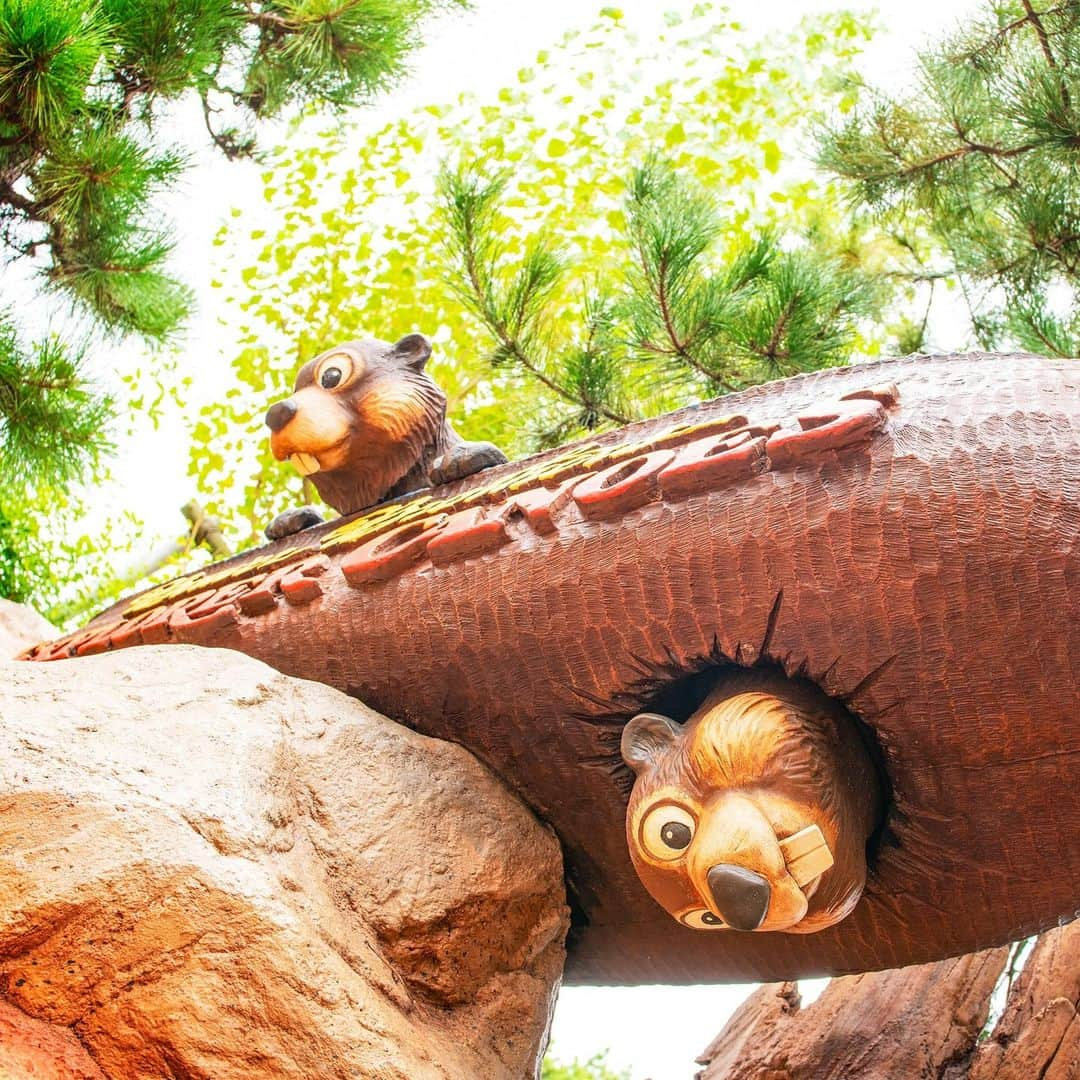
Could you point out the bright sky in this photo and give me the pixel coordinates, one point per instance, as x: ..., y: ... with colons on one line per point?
x: 481, y: 51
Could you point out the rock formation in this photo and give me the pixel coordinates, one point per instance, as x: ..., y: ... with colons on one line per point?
x: 925, y: 1021
x: 208, y: 869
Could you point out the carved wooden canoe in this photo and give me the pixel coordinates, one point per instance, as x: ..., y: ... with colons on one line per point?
x: 905, y: 534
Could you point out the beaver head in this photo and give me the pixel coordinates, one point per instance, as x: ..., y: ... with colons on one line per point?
x: 755, y: 814
x: 363, y: 418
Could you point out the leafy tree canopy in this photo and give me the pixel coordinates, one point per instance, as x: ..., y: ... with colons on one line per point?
x: 560, y: 327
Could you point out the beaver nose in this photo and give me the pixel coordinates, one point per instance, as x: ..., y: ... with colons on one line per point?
x: 280, y: 413
x: 742, y: 897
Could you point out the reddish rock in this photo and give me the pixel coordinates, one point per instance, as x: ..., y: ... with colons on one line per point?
x: 886, y: 1024
x: 32, y: 1050
x: 1038, y: 1034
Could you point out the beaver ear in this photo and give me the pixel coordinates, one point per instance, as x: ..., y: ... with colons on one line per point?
x: 646, y: 737
x: 413, y: 350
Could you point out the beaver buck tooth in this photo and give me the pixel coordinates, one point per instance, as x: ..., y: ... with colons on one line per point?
x: 305, y: 464
x: 807, y: 855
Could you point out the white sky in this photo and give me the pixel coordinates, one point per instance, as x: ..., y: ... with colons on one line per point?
x: 480, y: 50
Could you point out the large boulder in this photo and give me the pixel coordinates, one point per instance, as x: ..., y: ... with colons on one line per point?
x: 208, y: 869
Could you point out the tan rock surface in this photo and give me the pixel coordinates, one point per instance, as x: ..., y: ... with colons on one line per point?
x: 209, y: 870
x: 21, y: 627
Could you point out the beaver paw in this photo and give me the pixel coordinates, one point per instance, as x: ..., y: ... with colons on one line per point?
x: 293, y: 521
x: 464, y: 460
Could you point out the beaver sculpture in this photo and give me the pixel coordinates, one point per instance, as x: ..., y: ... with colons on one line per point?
x: 365, y: 423
x: 901, y: 539
x: 755, y: 814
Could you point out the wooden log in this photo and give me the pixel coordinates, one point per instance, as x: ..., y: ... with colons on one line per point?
x: 923, y: 1021
x: 1038, y: 1034
x: 902, y: 534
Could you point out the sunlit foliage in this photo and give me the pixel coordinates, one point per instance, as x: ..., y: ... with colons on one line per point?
x: 357, y: 239
x: 594, y: 1068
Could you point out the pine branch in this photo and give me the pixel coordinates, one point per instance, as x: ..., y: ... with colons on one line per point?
x: 227, y: 141
x: 68, y: 73
x: 1040, y: 31
x: 1044, y: 43
x: 1001, y: 34
x: 52, y: 421
x: 512, y: 315
x: 989, y: 151
x: 772, y: 349
x: 762, y: 312
x: 968, y: 147
x: 27, y: 207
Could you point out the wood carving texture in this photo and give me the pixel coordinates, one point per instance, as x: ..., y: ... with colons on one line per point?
x: 928, y: 578
x: 920, y: 1021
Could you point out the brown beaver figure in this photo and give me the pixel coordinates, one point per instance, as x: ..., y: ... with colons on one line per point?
x: 755, y: 814
x: 366, y: 423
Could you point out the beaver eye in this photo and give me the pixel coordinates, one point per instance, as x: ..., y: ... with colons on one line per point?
x: 335, y: 371
x: 667, y: 831
x: 701, y: 919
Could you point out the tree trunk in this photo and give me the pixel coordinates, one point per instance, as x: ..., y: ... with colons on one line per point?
x: 925, y: 1021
